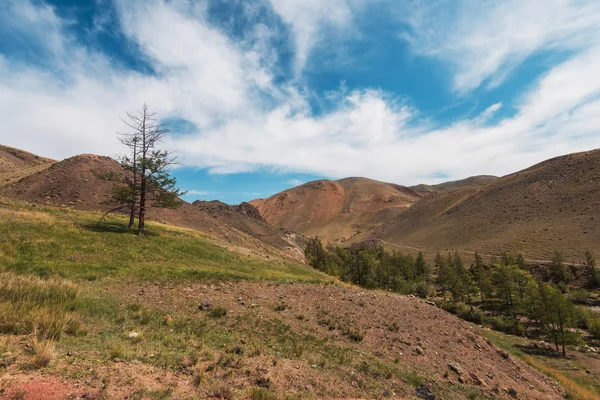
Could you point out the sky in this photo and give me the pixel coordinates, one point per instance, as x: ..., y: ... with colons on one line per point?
x: 262, y: 95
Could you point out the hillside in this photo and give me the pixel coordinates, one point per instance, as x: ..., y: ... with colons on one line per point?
x: 453, y: 185
x: 336, y: 210
x: 80, y: 182
x: 173, y: 315
x: 551, y: 206
x: 15, y: 164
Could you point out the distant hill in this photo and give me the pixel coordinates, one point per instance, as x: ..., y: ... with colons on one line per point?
x: 554, y: 205
x: 453, y: 185
x: 15, y: 163
x: 79, y: 182
x: 336, y: 210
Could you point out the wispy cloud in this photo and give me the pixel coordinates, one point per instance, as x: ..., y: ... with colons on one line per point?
x: 246, y: 119
x: 485, y: 40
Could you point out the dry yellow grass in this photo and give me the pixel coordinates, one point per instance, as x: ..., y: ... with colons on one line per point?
x: 575, y: 390
x: 44, y: 351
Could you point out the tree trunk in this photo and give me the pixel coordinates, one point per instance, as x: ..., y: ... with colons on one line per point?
x: 142, y: 214
x: 134, y: 192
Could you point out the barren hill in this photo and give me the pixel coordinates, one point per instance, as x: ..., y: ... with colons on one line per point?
x: 80, y: 182
x: 336, y: 210
x: 554, y: 205
x: 453, y: 185
x: 15, y: 163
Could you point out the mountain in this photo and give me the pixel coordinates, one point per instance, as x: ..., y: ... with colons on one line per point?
x: 453, y: 185
x: 336, y: 210
x: 15, y: 163
x: 554, y: 205
x: 80, y: 182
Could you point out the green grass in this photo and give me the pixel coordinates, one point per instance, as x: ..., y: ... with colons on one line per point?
x: 74, y: 245
x: 576, y: 382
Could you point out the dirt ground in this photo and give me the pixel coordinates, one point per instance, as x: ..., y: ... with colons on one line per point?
x: 418, y: 337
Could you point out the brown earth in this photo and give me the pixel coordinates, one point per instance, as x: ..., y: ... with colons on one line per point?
x: 554, y: 205
x: 419, y: 339
x: 336, y: 210
x: 81, y: 183
x: 453, y: 185
x: 15, y: 164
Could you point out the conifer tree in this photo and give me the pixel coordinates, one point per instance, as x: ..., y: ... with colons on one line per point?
x: 147, y: 181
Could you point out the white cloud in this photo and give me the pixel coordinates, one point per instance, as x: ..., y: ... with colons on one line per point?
x: 246, y: 121
x: 313, y: 21
x: 485, y: 40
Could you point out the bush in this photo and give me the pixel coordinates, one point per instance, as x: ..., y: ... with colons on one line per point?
x: 506, y: 325
x: 424, y: 289
x: 261, y: 394
x: 578, y: 296
x: 594, y: 327
x: 218, y: 312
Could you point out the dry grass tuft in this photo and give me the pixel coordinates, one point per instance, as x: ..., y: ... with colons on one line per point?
x: 43, y: 351
x: 29, y: 303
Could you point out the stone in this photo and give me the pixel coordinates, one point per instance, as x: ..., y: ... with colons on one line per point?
x: 133, y: 335
x: 424, y: 392
x: 205, y: 305
x: 456, y: 368
x: 419, y: 350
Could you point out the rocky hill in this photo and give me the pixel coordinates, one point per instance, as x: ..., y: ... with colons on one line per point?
x: 453, y: 185
x: 15, y: 164
x: 554, y: 205
x: 336, y: 210
x: 81, y: 183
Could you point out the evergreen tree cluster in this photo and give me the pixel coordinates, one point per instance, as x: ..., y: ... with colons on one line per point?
x: 502, y: 294
x: 372, y: 268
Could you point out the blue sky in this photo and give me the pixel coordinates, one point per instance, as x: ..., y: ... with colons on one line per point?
x: 261, y: 95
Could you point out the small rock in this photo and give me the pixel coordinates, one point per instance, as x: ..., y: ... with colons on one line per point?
x: 6, y: 354
x: 240, y: 299
x: 205, y: 305
x: 512, y: 392
x: 431, y: 303
x: 477, y: 380
x: 133, y: 335
x: 168, y: 320
x: 456, y: 369
x: 503, y: 354
x: 424, y: 392
x: 419, y: 350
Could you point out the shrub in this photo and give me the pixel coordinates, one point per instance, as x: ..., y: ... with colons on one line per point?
x: 354, y: 335
x: 594, y: 327
x: 424, y: 289
x: 218, y: 312
x: 506, y: 325
x: 261, y: 394
x: 578, y: 296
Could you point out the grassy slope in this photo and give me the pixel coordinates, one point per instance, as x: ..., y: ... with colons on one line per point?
x: 56, y: 270
x: 72, y: 309
x: 75, y: 245
x: 572, y: 374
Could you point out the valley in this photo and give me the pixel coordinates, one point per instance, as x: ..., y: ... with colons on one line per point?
x: 217, y: 301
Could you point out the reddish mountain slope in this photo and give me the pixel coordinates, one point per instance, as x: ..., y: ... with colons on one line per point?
x: 554, y: 205
x: 15, y: 164
x: 453, y: 185
x: 79, y: 182
x: 336, y: 210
